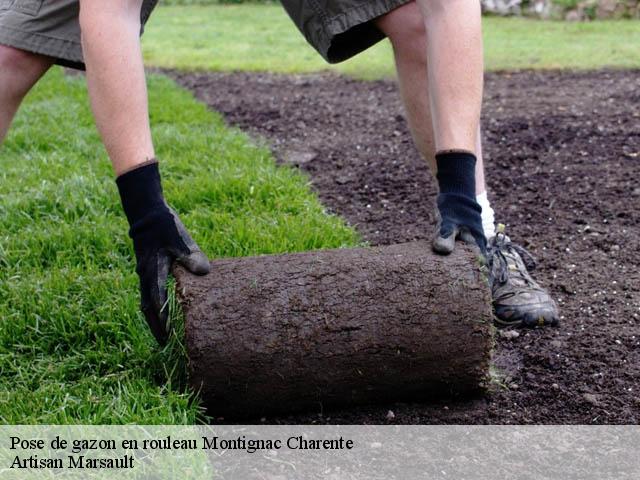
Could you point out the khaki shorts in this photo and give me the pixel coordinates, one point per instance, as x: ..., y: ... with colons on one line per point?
x: 339, y: 29
x: 49, y: 27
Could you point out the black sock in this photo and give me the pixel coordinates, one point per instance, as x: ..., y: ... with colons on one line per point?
x: 150, y: 220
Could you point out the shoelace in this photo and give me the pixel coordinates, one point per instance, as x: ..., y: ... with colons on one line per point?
x: 497, y: 256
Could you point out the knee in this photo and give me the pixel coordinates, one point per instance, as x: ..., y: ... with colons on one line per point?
x: 15, y: 60
x: 17, y: 68
x: 406, y: 30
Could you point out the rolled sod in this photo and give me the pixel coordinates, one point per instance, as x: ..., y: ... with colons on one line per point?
x: 322, y: 329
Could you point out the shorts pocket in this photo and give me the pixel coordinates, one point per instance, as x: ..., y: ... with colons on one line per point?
x: 28, y: 7
x: 5, y: 4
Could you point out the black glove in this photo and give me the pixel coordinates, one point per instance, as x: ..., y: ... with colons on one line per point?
x: 459, y: 214
x: 159, y: 238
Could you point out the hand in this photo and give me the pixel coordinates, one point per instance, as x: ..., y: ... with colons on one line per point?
x: 163, y: 240
x: 459, y: 217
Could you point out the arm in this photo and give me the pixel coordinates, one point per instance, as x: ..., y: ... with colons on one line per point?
x: 455, y: 79
x: 118, y: 92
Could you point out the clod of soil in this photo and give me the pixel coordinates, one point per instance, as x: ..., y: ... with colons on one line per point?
x: 563, y: 156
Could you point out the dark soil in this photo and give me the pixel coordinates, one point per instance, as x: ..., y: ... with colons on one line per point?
x: 563, y: 161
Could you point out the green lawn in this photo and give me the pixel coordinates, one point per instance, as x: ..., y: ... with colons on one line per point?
x: 73, y: 346
x: 261, y: 37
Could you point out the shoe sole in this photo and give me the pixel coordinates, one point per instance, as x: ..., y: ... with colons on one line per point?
x: 527, y: 322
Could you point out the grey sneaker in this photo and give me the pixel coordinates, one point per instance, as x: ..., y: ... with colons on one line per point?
x: 518, y: 300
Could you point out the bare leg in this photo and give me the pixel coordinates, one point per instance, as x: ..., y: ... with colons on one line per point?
x: 406, y: 30
x: 116, y: 79
x: 19, y: 72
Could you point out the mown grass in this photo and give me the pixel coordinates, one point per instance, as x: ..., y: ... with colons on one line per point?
x: 73, y: 346
x: 262, y: 38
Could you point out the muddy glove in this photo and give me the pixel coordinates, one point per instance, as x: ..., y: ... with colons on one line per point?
x: 159, y: 238
x: 459, y: 215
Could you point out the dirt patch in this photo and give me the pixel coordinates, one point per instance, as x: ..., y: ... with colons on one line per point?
x: 563, y: 156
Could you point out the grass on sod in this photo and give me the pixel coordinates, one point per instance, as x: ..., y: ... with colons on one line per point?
x: 73, y: 346
x: 262, y: 38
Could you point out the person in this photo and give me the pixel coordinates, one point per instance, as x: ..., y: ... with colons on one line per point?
x: 442, y: 102
x: 104, y: 37
x: 437, y: 47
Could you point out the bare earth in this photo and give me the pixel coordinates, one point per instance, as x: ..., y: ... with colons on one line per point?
x: 563, y: 163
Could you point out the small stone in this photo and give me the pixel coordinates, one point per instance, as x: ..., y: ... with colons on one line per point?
x: 591, y: 398
x: 390, y: 415
x: 509, y: 334
x: 555, y: 386
x: 297, y: 157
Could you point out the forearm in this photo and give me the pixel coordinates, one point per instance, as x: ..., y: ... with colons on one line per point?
x: 455, y: 59
x: 116, y: 79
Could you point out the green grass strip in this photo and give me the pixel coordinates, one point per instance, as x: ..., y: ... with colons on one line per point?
x: 73, y: 346
x: 262, y: 38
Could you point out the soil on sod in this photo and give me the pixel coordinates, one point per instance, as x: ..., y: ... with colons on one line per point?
x: 563, y: 161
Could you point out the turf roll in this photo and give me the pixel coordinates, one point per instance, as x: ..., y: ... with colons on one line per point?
x: 333, y: 328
